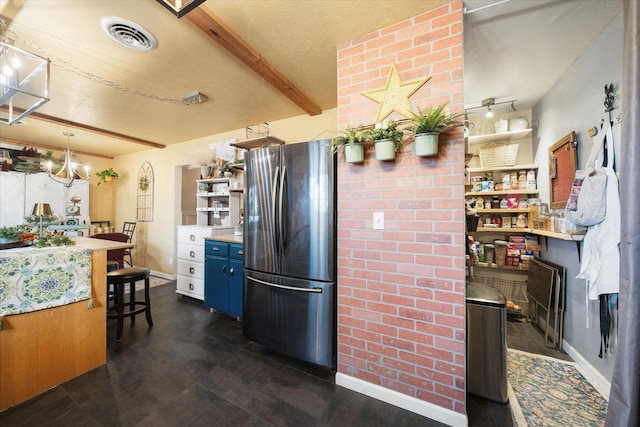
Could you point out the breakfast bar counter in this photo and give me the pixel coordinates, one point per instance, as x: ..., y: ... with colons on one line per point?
x: 44, y: 348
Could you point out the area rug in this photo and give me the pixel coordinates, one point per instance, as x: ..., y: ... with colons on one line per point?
x: 153, y: 282
x: 544, y: 391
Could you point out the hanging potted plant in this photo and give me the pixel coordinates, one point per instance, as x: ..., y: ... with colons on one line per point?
x: 107, y: 175
x: 352, y: 140
x: 387, y: 138
x: 427, y: 126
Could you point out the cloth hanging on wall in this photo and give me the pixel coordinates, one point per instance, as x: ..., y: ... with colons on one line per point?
x: 600, y: 265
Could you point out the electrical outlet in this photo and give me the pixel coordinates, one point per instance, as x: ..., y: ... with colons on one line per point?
x: 170, y: 260
x: 378, y: 220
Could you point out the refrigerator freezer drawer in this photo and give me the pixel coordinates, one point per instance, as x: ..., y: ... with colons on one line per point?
x: 293, y: 317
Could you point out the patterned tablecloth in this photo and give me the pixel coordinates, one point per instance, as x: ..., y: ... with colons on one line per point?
x: 40, y: 278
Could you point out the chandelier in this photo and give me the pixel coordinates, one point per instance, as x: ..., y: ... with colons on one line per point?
x: 69, y: 170
x: 24, y: 80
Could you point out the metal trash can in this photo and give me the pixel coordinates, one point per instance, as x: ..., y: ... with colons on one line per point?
x: 486, y: 342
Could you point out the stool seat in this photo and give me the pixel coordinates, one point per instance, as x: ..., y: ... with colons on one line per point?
x: 119, y: 278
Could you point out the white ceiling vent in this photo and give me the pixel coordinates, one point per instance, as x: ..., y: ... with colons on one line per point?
x: 128, y: 33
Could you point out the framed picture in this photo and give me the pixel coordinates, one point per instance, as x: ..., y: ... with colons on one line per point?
x: 563, y: 162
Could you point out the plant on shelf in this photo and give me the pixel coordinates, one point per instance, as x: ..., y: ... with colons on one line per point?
x: 227, y: 170
x: 387, y: 138
x: 15, y: 233
x: 428, y: 125
x: 107, y: 175
x: 352, y: 140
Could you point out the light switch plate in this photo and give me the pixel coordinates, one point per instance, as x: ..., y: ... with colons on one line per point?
x: 378, y: 220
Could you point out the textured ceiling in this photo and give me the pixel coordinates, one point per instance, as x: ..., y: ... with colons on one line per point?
x: 515, y: 50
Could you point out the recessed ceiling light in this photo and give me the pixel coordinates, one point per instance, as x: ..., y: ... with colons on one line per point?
x: 129, y: 33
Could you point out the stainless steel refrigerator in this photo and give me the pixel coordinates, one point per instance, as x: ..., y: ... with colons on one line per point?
x: 290, y: 250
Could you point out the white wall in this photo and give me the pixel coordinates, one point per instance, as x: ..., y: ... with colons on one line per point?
x: 575, y: 103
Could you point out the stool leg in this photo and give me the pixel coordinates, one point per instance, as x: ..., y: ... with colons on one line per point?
x: 132, y: 300
x: 147, y: 301
x: 119, y: 309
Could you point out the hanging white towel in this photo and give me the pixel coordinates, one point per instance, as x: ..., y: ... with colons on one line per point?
x: 601, y: 246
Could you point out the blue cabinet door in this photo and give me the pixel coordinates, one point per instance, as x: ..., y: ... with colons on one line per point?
x: 235, y: 287
x: 216, y: 288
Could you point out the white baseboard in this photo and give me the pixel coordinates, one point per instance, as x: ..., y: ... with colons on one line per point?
x: 426, y: 409
x: 163, y: 275
x: 596, y: 379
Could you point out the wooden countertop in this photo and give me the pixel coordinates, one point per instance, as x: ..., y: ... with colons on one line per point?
x: 230, y: 238
x: 100, y: 244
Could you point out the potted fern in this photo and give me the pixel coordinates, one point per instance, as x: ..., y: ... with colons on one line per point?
x: 352, y: 140
x: 387, y: 139
x: 427, y: 127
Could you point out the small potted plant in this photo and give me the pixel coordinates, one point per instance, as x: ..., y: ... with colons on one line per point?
x: 352, y: 140
x: 227, y: 170
x: 387, y: 138
x: 427, y: 126
x: 107, y: 175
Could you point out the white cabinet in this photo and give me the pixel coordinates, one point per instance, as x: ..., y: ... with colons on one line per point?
x: 217, y: 202
x: 190, y: 254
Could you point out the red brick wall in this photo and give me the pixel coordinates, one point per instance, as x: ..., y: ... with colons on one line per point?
x: 401, y: 289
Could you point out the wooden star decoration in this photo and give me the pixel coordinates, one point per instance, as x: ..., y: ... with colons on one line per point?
x: 395, y: 95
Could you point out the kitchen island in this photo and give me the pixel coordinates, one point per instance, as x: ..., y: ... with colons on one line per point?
x: 42, y: 349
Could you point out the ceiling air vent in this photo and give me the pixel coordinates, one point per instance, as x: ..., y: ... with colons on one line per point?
x: 129, y: 33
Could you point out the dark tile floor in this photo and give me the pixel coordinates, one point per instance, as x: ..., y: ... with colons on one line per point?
x: 194, y: 368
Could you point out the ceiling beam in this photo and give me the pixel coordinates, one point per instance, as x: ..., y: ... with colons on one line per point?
x: 217, y: 30
x: 88, y: 128
x: 48, y: 147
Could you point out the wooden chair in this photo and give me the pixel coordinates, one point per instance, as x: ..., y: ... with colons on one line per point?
x: 128, y: 228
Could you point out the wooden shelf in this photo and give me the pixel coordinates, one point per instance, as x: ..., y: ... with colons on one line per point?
x: 236, y: 190
x: 503, y: 211
x: 257, y: 143
x: 561, y: 236
x: 496, y: 137
x: 502, y: 230
x: 499, y: 193
x: 237, y: 166
x: 503, y: 168
x: 502, y: 267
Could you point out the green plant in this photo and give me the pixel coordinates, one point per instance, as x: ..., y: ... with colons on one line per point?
x: 53, y: 240
x: 13, y: 233
x: 143, y: 183
x: 107, y: 175
x: 387, y: 130
x: 350, y: 136
x: 226, y: 167
x: 434, y: 119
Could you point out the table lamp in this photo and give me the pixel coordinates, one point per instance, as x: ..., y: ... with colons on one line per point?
x: 41, y: 209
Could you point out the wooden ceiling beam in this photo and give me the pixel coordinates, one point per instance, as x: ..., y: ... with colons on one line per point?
x: 49, y: 147
x: 222, y: 34
x: 88, y: 128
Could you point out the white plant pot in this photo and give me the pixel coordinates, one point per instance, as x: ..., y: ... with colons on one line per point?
x: 354, y: 153
x: 385, y: 149
x: 204, y: 171
x: 426, y: 144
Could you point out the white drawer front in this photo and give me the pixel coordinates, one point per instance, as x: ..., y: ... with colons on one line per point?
x: 193, y: 235
x: 190, y: 286
x: 191, y: 269
x: 193, y: 253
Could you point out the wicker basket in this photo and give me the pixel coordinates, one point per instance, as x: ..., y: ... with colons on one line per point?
x: 498, y: 155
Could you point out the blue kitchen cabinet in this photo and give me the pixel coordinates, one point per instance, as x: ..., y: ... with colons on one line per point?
x: 223, y: 278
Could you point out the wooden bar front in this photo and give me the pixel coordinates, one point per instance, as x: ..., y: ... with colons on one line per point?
x: 42, y: 349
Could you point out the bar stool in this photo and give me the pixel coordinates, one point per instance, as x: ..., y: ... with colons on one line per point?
x: 119, y: 278
x: 111, y: 291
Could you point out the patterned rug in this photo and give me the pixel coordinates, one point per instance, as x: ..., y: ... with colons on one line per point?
x: 153, y: 281
x: 544, y: 391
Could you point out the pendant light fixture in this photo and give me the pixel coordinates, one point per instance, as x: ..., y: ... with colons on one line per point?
x: 180, y: 7
x: 24, y: 80
x: 69, y: 170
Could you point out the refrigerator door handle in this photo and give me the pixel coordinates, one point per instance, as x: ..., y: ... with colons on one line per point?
x: 274, y: 200
x: 291, y: 288
x: 281, y: 212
